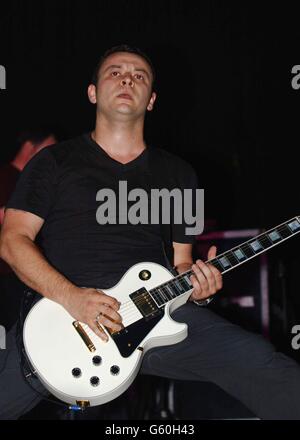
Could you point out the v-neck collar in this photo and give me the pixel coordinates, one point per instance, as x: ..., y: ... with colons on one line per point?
x: 112, y: 162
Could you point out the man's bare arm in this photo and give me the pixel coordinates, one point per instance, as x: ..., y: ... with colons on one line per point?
x: 18, y: 249
x: 2, y: 208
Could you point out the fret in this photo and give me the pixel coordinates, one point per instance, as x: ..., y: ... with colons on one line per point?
x: 166, y: 292
x: 266, y: 241
x: 157, y: 297
x: 178, y: 285
x: 173, y: 294
x: 215, y: 262
x: 188, y: 281
x: 285, y: 231
x: 232, y: 258
x: 225, y: 263
x: 294, y: 225
x: 184, y: 283
x: 256, y: 246
x: 165, y: 297
x: 174, y: 287
x: 239, y: 254
x: 274, y: 236
x: 248, y: 251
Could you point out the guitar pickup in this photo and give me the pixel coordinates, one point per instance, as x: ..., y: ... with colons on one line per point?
x: 144, y: 302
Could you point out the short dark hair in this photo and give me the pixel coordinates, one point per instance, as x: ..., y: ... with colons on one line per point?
x: 123, y: 48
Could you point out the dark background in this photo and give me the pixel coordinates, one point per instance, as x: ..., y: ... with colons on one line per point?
x: 225, y: 101
x: 225, y: 98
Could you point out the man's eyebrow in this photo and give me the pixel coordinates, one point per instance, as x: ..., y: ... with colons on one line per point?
x: 112, y: 66
x: 118, y: 66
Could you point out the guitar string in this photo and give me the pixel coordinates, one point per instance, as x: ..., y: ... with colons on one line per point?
x: 263, y: 239
x: 129, y: 308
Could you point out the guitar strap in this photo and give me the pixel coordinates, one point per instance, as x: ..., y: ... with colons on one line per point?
x: 161, y: 178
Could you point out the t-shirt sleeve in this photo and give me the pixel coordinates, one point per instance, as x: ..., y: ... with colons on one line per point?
x: 35, y: 189
x: 188, y: 180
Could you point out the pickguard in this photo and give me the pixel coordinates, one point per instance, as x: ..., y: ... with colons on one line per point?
x: 128, y: 339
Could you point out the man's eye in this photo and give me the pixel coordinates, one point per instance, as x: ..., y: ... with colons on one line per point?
x: 138, y: 76
x: 115, y: 73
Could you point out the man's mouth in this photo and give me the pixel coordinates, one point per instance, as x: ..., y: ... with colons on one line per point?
x: 125, y: 96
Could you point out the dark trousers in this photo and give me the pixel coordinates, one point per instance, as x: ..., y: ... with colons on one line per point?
x: 241, y: 363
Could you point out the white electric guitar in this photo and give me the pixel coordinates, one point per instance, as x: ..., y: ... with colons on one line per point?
x: 75, y: 365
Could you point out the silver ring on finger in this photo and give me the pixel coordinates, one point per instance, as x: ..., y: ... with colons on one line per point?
x: 98, y: 316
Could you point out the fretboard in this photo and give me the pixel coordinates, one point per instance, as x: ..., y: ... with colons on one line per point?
x: 228, y: 260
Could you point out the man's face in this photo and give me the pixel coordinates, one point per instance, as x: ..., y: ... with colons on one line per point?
x: 124, y: 86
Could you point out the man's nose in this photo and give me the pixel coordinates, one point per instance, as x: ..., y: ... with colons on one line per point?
x: 127, y: 80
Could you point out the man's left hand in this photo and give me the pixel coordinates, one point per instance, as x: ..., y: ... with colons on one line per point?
x: 207, y: 280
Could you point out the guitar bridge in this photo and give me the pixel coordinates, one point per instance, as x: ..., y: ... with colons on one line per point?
x: 82, y: 333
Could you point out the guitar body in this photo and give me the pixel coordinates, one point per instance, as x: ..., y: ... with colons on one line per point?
x: 62, y: 357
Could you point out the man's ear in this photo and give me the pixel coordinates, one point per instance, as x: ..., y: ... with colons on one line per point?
x: 151, y: 102
x: 92, y: 93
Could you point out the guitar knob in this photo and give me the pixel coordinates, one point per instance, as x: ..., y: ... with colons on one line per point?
x: 97, y: 360
x: 145, y: 275
x: 76, y: 372
x: 94, y: 381
x: 115, y: 370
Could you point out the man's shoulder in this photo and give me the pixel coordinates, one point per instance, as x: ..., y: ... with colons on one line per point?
x: 171, y: 160
x: 63, y: 149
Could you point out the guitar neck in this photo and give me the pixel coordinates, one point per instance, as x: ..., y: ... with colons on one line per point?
x: 228, y: 260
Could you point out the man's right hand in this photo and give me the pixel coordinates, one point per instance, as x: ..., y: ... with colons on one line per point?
x: 94, y: 307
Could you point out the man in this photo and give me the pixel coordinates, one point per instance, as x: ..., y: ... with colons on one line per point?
x: 55, y: 203
x: 29, y: 142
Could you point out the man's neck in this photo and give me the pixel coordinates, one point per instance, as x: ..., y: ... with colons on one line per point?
x: 121, y: 141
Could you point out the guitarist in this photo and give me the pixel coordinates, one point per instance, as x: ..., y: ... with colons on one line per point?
x: 52, y: 241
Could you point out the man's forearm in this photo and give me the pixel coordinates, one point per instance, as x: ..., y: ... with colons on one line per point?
x: 27, y: 261
x: 183, y: 267
x: 1, y: 214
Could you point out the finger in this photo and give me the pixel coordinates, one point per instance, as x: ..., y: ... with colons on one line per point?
x: 98, y: 330
x: 212, y: 252
x: 110, y: 313
x: 217, y: 275
x: 198, y: 271
x: 196, y: 287
x: 107, y: 322
x: 111, y: 301
x: 209, y: 276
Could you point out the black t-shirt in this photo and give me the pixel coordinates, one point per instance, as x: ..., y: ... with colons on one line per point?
x: 60, y: 185
x: 8, y: 179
